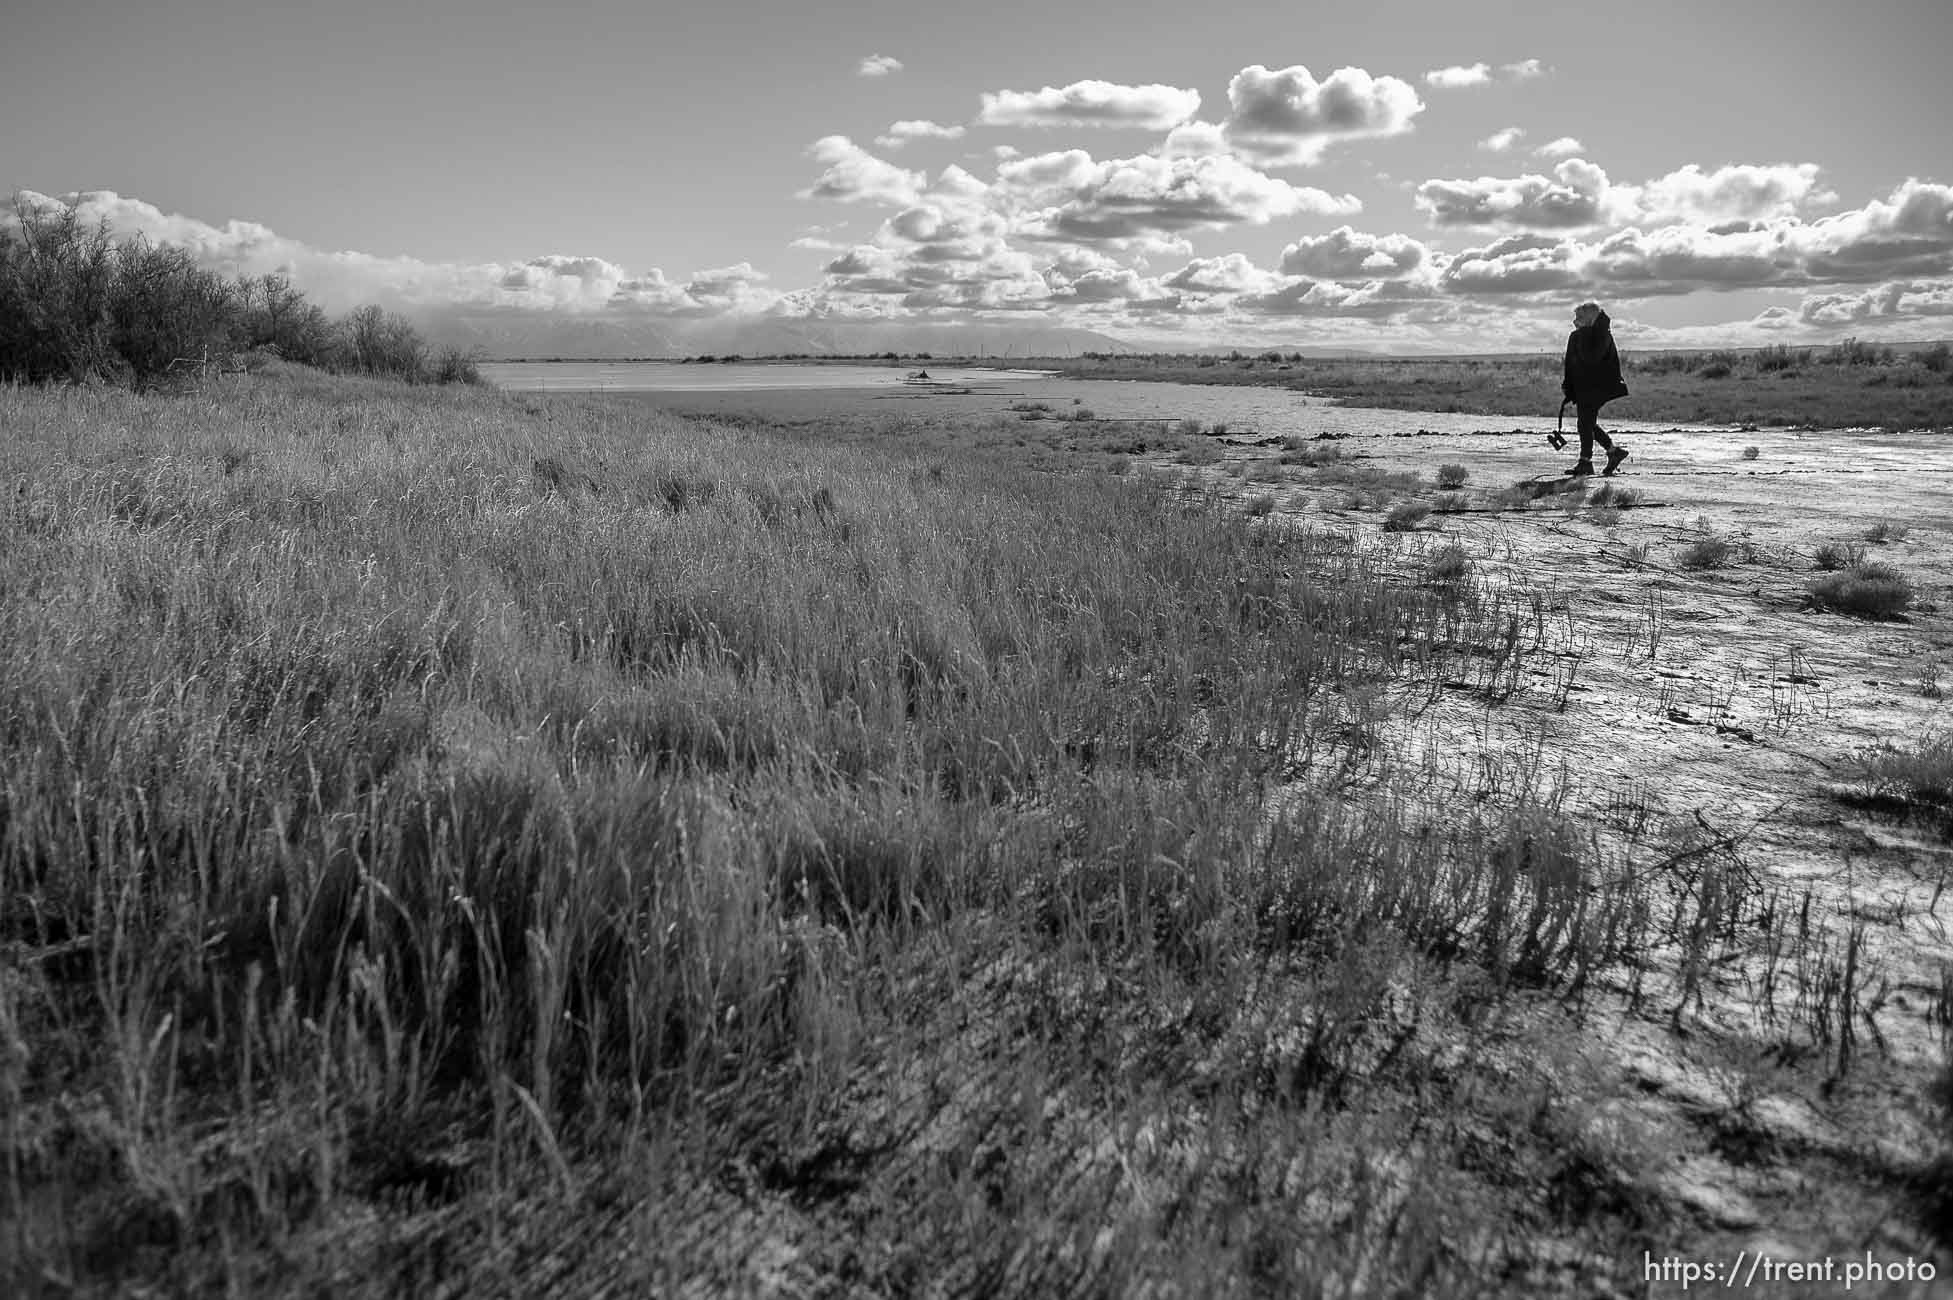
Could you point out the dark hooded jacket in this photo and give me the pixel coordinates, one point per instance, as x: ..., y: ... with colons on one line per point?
x: 1593, y: 367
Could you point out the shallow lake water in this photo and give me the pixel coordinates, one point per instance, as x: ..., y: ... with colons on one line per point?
x: 782, y: 391
x: 692, y: 377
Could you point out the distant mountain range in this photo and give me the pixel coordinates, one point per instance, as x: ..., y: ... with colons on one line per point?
x: 502, y: 336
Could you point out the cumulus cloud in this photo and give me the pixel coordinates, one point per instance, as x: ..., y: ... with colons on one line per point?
x: 1457, y: 77
x: 1287, y: 117
x: 1090, y: 103
x: 1563, y: 147
x: 729, y: 288
x: 878, y: 65
x: 1501, y: 141
x: 1730, y: 193
x: 1679, y: 259
x: 1524, y: 69
x: 916, y: 128
x: 1572, y: 196
x: 853, y: 175
x: 1194, y: 140
x: 1230, y: 273
x: 1376, y: 299
x: 1910, y: 235
x: 1895, y: 300
x: 1516, y: 264
x: 1349, y: 254
x: 1071, y: 196
x: 1906, y: 239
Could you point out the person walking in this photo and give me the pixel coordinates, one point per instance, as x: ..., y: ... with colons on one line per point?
x: 1591, y: 379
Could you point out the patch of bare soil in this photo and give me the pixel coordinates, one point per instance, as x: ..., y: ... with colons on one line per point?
x: 1792, y: 1081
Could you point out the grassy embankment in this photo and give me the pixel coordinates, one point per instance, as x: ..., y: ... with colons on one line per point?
x: 1848, y: 385
x: 512, y: 843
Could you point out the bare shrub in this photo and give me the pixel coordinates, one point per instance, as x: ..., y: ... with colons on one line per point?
x: 1880, y: 533
x: 1452, y: 476
x: 1751, y: 452
x: 1262, y: 503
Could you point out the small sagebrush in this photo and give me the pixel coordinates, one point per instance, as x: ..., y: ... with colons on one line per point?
x: 1452, y: 476
x: 1867, y: 589
x: 1448, y: 564
x: 1831, y: 556
x: 1262, y: 503
x: 1923, y: 775
x: 1880, y: 533
x: 1751, y: 452
x: 1712, y: 552
x: 1405, y: 515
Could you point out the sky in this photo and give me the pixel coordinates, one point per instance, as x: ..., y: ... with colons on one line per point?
x: 1434, y: 176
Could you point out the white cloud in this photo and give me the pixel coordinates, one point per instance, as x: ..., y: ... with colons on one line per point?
x: 1090, y: 103
x: 1524, y: 69
x: 1287, y: 117
x: 1515, y: 264
x: 1230, y: 273
x: 1564, y: 147
x: 852, y: 174
x: 1457, y: 77
x: 1893, y: 301
x: 1503, y: 140
x: 1348, y: 254
x: 1679, y: 259
x: 1730, y: 193
x: 1379, y: 299
x: 916, y: 128
x: 1070, y: 196
x: 1193, y: 140
x: 1572, y: 196
x: 878, y: 65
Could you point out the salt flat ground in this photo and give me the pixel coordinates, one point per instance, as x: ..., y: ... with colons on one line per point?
x: 1723, y: 695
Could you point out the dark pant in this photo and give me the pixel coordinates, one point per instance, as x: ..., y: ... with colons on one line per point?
x: 1591, y: 432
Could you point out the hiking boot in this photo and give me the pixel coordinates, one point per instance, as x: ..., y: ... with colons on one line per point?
x: 1615, y: 455
x: 1580, y: 469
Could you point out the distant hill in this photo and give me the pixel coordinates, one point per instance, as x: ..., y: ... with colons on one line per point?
x: 507, y: 335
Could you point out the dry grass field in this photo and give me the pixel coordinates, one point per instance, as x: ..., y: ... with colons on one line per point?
x: 463, y: 843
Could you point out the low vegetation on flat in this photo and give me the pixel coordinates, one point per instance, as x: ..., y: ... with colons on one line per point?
x: 1846, y: 385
